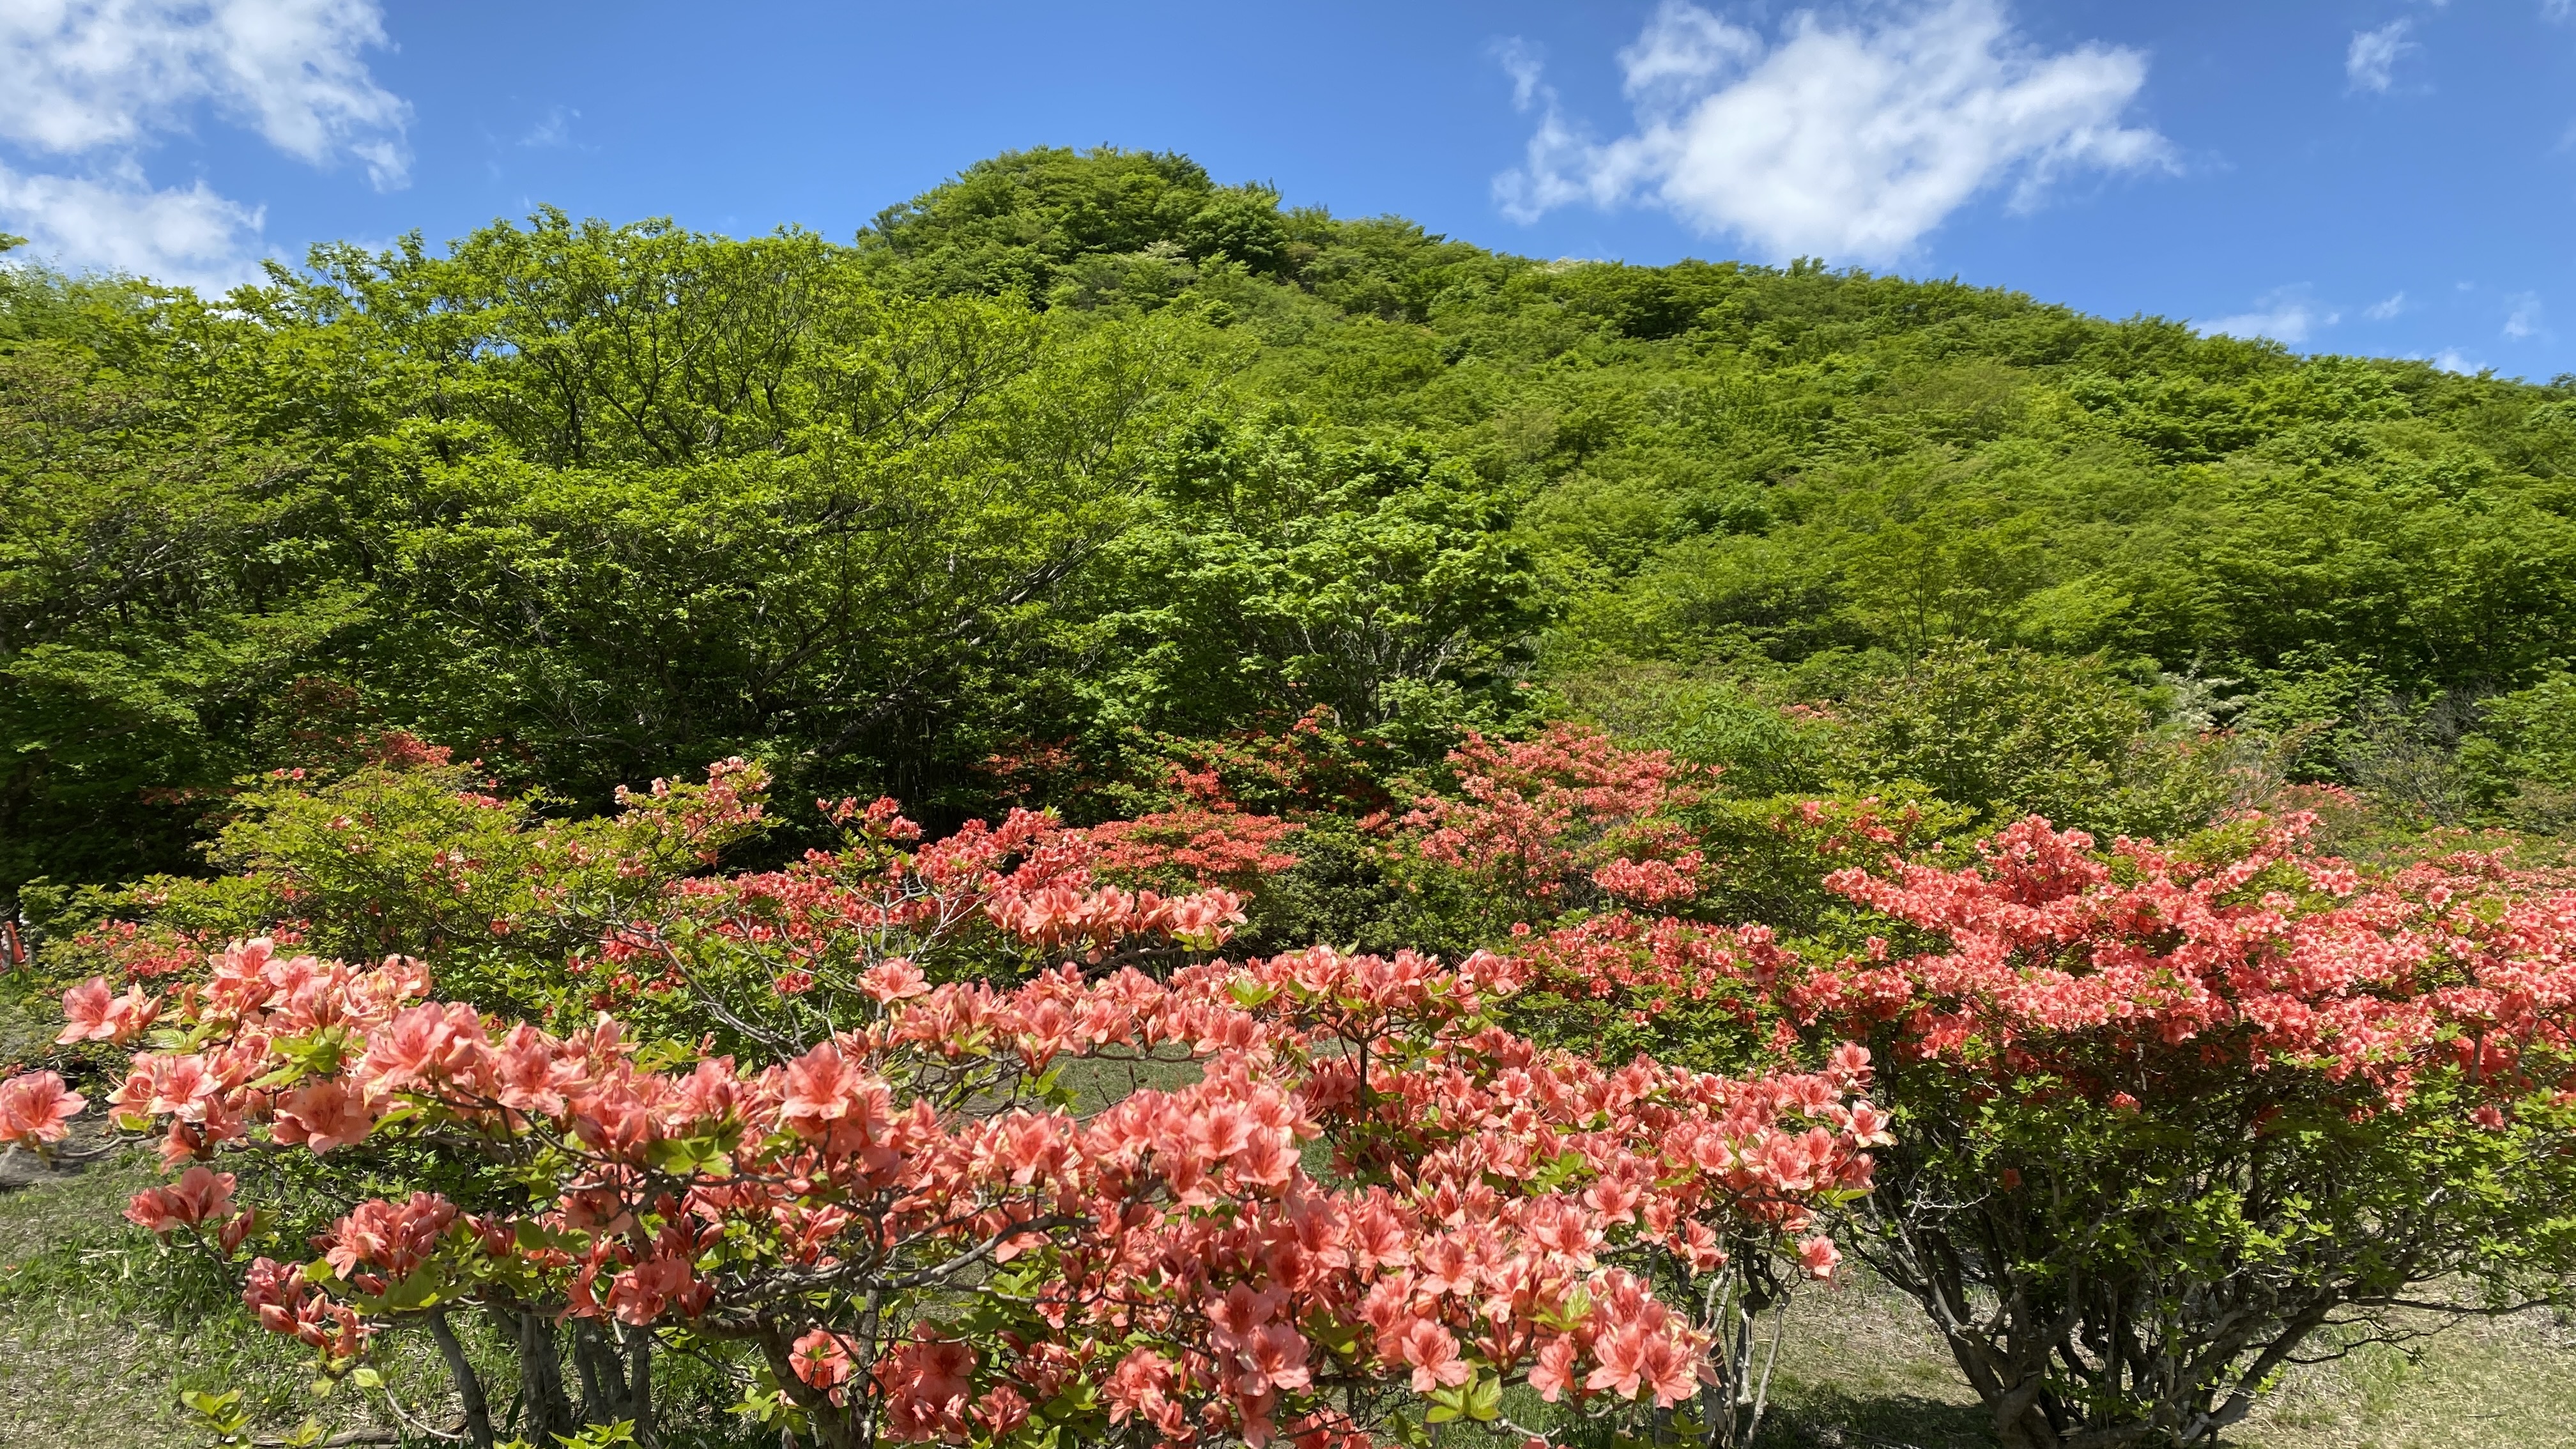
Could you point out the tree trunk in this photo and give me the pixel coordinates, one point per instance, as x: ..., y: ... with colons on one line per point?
x: 469, y: 1385
x: 639, y: 1383
x: 616, y: 1367
x: 545, y: 1411
x: 603, y: 1373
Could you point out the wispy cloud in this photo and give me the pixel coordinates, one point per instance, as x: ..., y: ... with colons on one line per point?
x: 187, y: 235
x: 1849, y: 137
x: 554, y: 130
x: 2370, y: 62
x: 2286, y: 315
x: 2381, y: 311
x: 77, y: 76
x: 2449, y: 359
x: 1526, y: 64
x: 97, y: 81
x: 2525, y: 318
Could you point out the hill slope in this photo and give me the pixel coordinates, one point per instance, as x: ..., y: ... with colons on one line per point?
x: 1082, y: 449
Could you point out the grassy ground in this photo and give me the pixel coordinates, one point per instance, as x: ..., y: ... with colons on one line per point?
x: 1858, y: 1367
x: 101, y: 1330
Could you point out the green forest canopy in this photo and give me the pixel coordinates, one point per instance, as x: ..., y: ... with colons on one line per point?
x: 1082, y: 451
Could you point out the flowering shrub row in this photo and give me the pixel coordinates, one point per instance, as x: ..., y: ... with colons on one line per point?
x: 977, y: 1139
x: 2209, y: 1097
x: 1317, y: 1195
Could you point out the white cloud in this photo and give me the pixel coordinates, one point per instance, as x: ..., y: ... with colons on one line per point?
x: 555, y: 130
x: 1677, y: 53
x: 2370, y: 62
x: 1524, y: 64
x: 1847, y: 137
x: 187, y: 235
x: 100, y: 80
x: 78, y: 76
x: 2524, y: 320
x: 2450, y: 360
x: 2382, y: 311
x: 2285, y: 316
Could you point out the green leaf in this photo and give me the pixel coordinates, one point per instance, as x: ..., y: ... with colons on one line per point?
x: 423, y: 1287
x: 1448, y: 1404
x: 686, y: 1155
x: 1341, y: 1339
x: 1578, y: 1306
x: 663, y: 1056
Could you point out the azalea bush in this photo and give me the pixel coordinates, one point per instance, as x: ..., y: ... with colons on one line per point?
x: 1140, y: 1193
x: 1624, y: 878
x: 533, y: 915
x: 409, y: 852
x: 2164, y: 1115
x: 1001, y: 1137
x: 2171, y: 1113
x: 922, y: 1239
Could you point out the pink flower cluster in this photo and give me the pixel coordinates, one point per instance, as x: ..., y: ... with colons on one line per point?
x: 2048, y: 957
x: 730, y: 798
x: 2052, y: 958
x: 2276, y: 955
x: 36, y: 1109
x: 1030, y: 879
x: 90, y: 1013
x: 1539, y: 818
x: 1203, y: 842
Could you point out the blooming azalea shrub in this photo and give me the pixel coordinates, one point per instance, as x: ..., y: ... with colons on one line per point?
x: 1564, y: 826
x: 1195, y: 843
x: 553, y: 920
x: 410, y: 853
x: 1562, y: 821
x: 2163, y: 1113
x: 759, y: 958
x: 1369, y: 1209
x: 802, y: 1121
x: 1293, y: 817
x: 2170, y: 1112
x: 1312, y: 767
x: 1624, y: 878
x: 1189, y: 826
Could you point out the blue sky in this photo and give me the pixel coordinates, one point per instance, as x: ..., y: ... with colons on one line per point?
x: 2377, y: 176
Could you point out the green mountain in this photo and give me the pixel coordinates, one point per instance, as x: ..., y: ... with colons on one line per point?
x: 1079, y: 455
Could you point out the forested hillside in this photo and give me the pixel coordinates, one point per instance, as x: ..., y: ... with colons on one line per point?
x: 1078, y: 446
